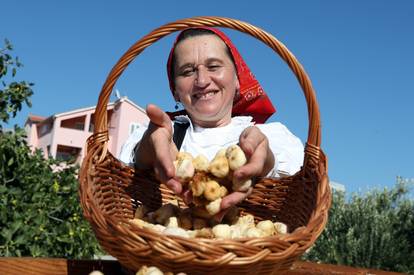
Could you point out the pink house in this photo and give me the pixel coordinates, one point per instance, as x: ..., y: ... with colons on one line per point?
x: 63, y: 136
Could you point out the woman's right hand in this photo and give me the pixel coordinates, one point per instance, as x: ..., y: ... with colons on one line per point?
x: 157, y: 150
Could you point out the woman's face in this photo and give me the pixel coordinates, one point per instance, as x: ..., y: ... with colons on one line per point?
x: 205, y: 80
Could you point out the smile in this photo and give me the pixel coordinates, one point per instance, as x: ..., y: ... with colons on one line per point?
x: 206, y: 95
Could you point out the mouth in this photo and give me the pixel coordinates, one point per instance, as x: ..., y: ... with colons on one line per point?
x: 205, y: 95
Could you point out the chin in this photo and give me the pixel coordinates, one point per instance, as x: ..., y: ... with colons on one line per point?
x: 205, y: 116
x: 207, y: 111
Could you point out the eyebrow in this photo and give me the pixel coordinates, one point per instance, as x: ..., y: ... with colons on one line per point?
x: 208, y: 60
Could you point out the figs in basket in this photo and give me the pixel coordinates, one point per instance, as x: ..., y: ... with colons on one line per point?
x: 211, y: 181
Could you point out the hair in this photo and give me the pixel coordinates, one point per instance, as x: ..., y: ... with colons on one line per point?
x: 194, y: 33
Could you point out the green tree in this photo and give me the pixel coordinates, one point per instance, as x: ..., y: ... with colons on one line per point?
x: 374, y: 230
x: 13, y: 94
x: 40, y: 214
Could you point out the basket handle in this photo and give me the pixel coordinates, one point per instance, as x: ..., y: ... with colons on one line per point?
x: 314, y: 132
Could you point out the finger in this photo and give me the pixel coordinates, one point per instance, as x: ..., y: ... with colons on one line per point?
x: 164, y: 153
x: 234, y: 198
x: 164, y: 163
x: 158, y: 117
x: 229, y: 201
x: 255, y: 164
x: 174, y: 185
x: 164, y: 169
x: 249, y: 139
x: 187, y: 197
x: 252, y: 169
x: 219, y: 216
x: 163, y: 166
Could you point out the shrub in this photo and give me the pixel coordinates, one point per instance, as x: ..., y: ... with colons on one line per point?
x: 374, y: 230
x: 40, y: 214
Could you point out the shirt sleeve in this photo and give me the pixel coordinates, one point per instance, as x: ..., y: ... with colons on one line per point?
x: 287, y: 148
x: 127, y: 154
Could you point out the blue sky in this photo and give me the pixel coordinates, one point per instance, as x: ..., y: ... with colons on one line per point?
x: 358, y: 54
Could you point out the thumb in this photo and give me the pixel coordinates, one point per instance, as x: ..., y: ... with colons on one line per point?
x: 158, y: 117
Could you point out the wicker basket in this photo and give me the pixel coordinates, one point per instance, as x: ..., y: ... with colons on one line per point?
x: 110, y: 191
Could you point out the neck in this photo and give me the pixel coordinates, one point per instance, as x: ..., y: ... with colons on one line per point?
x: 211, y: 124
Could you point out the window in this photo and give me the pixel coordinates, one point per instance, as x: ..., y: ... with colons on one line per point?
x: 92, y: 123
x: 44, y: 129
x: 48, y: 153
x: 67, y: 153
x: 133, y: 126
x: 77, y: 123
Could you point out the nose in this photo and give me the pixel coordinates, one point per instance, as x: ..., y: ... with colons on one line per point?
x: 202, y: 79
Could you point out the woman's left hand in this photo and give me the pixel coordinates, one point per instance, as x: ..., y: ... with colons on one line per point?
x: 260, y: 161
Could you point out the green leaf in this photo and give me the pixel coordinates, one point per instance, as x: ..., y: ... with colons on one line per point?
x: 16, y: 226
x: 6, y: 234
x: 10, y: 162
x: 20, y: 239
x: 8, y: 45
x: 3, y: 189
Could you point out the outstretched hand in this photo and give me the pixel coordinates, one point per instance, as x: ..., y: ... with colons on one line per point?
x: 260, y: 161
x: 157, y: 149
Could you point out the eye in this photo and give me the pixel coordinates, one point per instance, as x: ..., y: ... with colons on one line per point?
x: 213, y: 67
x: 188, y: 71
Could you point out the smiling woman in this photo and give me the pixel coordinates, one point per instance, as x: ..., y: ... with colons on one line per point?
x: 205, y: 80
x: 223, y: 105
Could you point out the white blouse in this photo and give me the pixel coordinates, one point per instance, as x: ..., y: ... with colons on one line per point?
x: 287, y: 148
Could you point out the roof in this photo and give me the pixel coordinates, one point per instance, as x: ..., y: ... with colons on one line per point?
x: 37, y: 119
x: 110, y: 106
x: 124, y: 98
x: 34, y: 118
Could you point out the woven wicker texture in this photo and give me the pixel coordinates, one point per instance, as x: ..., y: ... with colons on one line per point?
x: 110, y: 191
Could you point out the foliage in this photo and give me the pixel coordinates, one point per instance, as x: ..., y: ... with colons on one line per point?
x: 40, y: 214
x: 372, y: 231
x: 14, y: 94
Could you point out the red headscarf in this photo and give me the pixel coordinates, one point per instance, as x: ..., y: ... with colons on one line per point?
x: 252, y: 100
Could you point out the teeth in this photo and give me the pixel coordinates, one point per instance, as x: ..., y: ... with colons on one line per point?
x: 204, y: 95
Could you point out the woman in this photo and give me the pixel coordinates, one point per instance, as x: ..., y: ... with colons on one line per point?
x: 222, y: 102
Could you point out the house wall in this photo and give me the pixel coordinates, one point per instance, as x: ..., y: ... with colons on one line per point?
x: 120, y: 116
x: 44, y: 142
x: 125, y: 113
x: 31, y: 131
x: 72, y: 137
